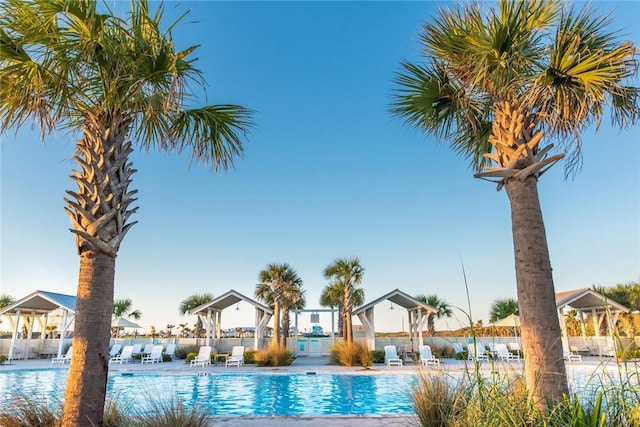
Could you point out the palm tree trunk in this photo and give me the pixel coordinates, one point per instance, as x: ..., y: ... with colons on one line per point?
x: 285, y: 327
x: 544, y: 364
x: 87, y: 382
x: 276, y: 323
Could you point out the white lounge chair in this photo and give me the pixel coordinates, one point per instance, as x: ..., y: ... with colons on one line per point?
x: 148, y: 348
x: 203, y: 358
x: 571, y: 356
x: 125, y: 356
x: 476, y: 352
x: 154, y: 356
x: 63, y: 359
x: 391, y: 356
x: 503, y: 353
x: 237, y: 356
x: 170, y: 351
x: 514, y: 346
x: 137, y: 350
x: 115, y: 349
x: 457, y: 348
x: 426, y: 357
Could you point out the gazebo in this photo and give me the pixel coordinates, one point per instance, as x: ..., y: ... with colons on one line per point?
x: 587, y: 302
x: 39, y: 306
x: 418, y: 313
x: 211, y: 314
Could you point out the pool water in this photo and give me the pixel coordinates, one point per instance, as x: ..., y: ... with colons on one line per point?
x: 235, y: 394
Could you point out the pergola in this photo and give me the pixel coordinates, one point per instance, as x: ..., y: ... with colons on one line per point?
x: 418, y: 313
x: 38, y: 306
x: 587, y: 302
x: 211, y: 314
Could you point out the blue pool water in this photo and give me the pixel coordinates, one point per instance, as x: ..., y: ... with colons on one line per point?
x: 235, y: 394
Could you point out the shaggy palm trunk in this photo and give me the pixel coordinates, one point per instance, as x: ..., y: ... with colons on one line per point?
x: 545, y: 372
x: 99, y: 211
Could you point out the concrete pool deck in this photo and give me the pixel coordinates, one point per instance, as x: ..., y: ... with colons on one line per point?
x: 304, y: 365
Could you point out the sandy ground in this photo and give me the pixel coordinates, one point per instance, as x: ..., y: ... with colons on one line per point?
x: 317, y: 365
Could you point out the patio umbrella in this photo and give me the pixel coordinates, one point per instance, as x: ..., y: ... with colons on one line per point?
x: 121, y: 323
x: 511, y: 321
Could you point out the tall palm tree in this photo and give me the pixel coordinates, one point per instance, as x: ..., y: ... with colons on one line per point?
x: 444, y: 310
x: 346, y: 274
x: 192, y: 302
x: 492, y: 82
x: 124, y: 308
x: 293, y: 299
x: 276, y: 281
x: 333, y: 296
x: 501, y: 308
x: 66, y: 66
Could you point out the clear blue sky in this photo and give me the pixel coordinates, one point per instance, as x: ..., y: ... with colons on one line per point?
x: 327, y: 173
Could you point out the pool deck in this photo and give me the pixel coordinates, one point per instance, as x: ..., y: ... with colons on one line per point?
x: 304, y: 365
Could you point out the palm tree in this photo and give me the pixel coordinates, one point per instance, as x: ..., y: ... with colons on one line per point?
x: 333, y: 296
x: 192, y: 302
x: 6, y: 300
x: 64, y: 65
x: 502, y: 308
x: 293, y: 299
x: 123, y: 308
x: 444, y: 310
x: 492, y: 85
x: 170, y: 330
x: 276, y: 282
x: 346, y: 274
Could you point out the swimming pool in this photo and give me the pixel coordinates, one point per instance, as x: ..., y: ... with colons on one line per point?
x: 236, y: 394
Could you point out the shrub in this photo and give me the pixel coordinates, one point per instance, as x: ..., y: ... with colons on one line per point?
x: 250, y: 356
x: 274, y: 355
x: 190, y: 357
x: 3, y: 359
x: 350, y: 354
x: 183, y: 351
x: 28, y: 412
x: 377, y: 356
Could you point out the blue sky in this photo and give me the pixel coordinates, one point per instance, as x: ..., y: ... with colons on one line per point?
x: 327, y: 173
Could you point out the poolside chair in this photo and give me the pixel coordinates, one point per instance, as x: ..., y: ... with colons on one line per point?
x: 503, y: 353
x: 115, y: 349
x: 391, y: 356
x: 63, y: 359
x: 426, y: 357
x: 148, y: 348
x: 125, y: 356
x: 571, y: 356
x: 154, y: 356
x: 170, y: 351
x: 237, y: 356
x: 476, y: 352
x: 137, y: 350
x: 203, y: 358
x: 514, y: 346
x: 457, y: 348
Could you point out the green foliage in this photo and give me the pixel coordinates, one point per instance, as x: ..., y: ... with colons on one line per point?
x: 3, y: 359
x: 629, y: 354
x: 437, y: 401
x: 183, y: 351
x: 190, y: 357
x: 28, y: 411
x: 574, y: 414
x: 346, y: 353
x: 377, y: 356
x: 274, y: 355
x: 250, y: 357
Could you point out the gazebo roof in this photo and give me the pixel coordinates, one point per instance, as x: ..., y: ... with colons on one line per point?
x: 586, y: 300
x: 41, y: 302
x: 228, y: 299
x: 399, y: 298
